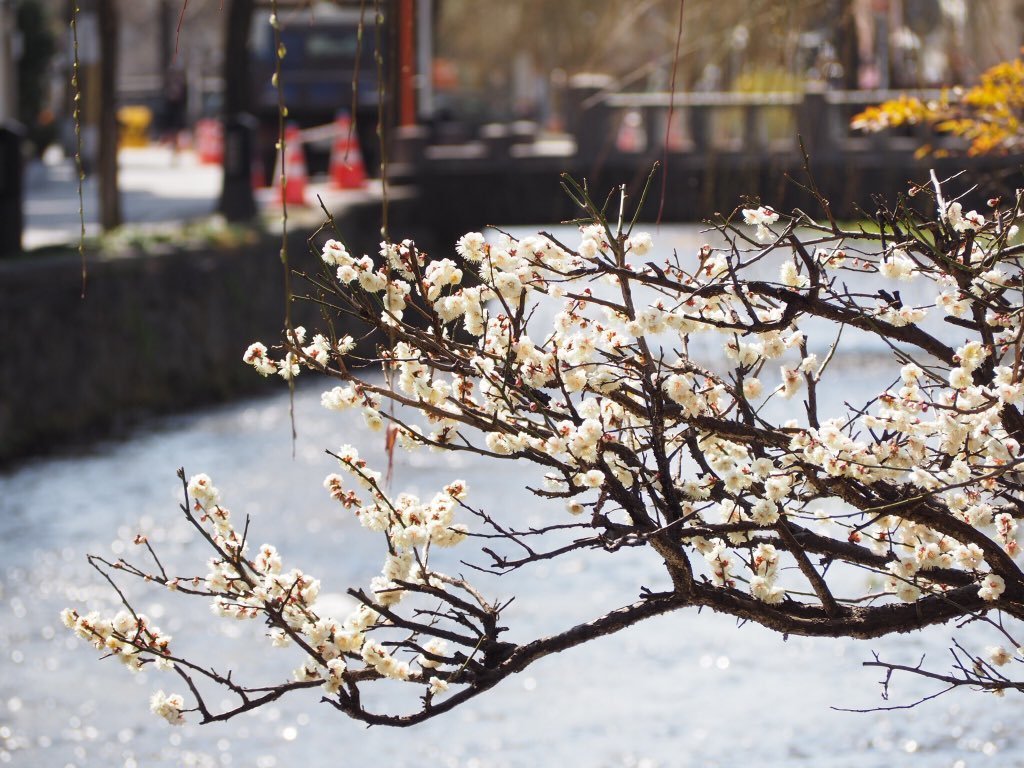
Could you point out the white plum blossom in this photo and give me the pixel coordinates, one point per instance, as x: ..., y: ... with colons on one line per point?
x: 288, y: 368
x: 639, y: 244
x: 791, y: 277
x: 168, y: 706
x: 752, y: 388
x: 202, y: 489
x: 471, y: 246
x: 992, y: 586
x: 762, y: 218
x: 335, y: 254
x: 792, y: 381
x: 765, y: 512
x: 761, y: 215
x: 721, y: 564
x: 963, y: 222
x: 999, y: 656
x: 897, y: 266
x: 592, y: 478
x: 256, y: 356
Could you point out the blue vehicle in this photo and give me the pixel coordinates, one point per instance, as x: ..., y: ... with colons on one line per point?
x: 324, y: 58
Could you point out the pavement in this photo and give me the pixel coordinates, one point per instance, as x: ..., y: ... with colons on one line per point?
x: 158, y: 187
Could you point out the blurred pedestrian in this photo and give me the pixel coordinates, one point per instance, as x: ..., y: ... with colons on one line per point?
x: 175, y: 107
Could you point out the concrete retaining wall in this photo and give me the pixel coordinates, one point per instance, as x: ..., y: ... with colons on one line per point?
x: 153, y: 334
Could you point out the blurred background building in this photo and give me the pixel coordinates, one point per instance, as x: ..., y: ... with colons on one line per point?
x: 508, y: 59
x: 481, y: 61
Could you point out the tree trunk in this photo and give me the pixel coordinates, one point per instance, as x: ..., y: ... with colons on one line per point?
x: 236, y: 57
x: 110, y: 199
x: 237, y: 202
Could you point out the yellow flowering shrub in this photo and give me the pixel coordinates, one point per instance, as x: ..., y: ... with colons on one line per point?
x: 986, y: 116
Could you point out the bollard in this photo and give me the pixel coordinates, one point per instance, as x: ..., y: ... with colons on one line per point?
x: 524, y: 132
x: 12, y: 212
x: 409, y: 143
x: 498, y: 140
x: 813, y: 125
x: 589, y: 117
x: 700, y: 129
x: 237, y: 202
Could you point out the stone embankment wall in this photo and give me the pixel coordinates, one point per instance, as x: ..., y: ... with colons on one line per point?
x: 155, y: 333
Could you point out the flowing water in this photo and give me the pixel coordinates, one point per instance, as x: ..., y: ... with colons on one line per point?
x: 681, y: 690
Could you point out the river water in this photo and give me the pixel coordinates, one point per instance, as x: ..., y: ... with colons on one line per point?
x: 681, y: 690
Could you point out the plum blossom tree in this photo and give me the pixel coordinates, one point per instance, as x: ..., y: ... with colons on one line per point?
x: 671, y: 404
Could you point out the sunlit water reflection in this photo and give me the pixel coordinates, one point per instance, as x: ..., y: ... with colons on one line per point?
x: 681, y: 690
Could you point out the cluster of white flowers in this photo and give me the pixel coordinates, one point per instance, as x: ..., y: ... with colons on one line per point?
x: 290, y: 597
x: 245, y: 588
x: 721, y: 562
x: 992, y: 586
x: 765, y: 567
x: 317, y: 355
x: 963, y: 222
x: 898, y: 266
x: 999, y: 656
x: 408, y: 522
x: 127, y: 636
x: 582, y: 353
x: 762, y: 218
x: 168, y: 706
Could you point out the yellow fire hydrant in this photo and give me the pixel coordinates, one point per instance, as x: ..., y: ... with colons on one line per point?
x: 134, y: 122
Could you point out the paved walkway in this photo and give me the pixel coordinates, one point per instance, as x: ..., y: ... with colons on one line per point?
x: 157, y: 187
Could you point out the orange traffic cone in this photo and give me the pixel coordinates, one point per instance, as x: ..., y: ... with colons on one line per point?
x: 294, y: 189
x: 346, y: 168
x: 209, y: 141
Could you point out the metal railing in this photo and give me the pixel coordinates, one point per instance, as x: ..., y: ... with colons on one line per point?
x: 744, y: 123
